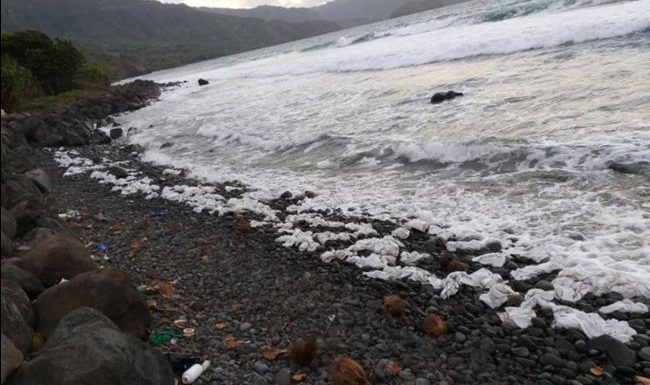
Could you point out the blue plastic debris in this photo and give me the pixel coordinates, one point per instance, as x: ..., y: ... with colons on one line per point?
x: 101, y: 246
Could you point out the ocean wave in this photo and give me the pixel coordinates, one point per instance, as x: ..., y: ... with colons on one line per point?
x: 536, y: 31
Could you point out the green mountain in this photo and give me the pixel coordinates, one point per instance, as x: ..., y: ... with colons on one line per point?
x: 139, y: 36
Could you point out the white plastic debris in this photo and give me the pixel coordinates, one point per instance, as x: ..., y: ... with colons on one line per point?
x: 194, y: 372
x: 400, y: 233
x: 530, y: 271
x: 491, y: 259
x: 625, y: 306
x: 411, y: 257
x: 497, y: 295
x: 592, y: 324
x: 417, y: 224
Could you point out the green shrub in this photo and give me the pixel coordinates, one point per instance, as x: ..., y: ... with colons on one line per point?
x: 91, y: 76
x: 17, y: 83
x: 53, y: 63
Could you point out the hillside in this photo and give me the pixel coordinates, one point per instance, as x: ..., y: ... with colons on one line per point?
x: 138, y: 36
x: 346, y: 13
x: 421, y: 6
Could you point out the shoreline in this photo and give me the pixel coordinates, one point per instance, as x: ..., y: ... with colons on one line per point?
x: 224, y: 272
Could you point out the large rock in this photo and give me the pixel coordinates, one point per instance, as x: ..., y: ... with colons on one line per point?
x: 440, y: 97
x: 26, y: 280
x: 8, y: 223
x: 57, y: 257
x: 12, y: 358
x: 88, y: 349
x: 7, y: 245
x: 14, y: 325
x: 41, y: 179
x: 109, y: 291
x: 616, y: 351
x: 12, y: 291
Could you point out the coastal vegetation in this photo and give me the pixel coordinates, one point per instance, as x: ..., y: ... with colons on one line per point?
x: 37, y: 69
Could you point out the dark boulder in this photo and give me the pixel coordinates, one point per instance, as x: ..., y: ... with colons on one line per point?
x: 26, y: 280
x: 116, y: 133
x: 40, y: 179
x: 12, y: 358
x: 7, y: 245
x: 636, y: 168
x: 8, y: 223
x: 54, y: 258
x: 87, y: 348
x: 108, y: 290
x: 203, y: 82
x: 440, y: 97
x: 14, y: 324
x: 13, y: 292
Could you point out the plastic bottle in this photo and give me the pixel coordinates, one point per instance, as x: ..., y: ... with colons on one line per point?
x: 194, y: 372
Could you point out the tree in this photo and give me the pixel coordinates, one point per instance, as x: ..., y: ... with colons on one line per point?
x: 53, y: 63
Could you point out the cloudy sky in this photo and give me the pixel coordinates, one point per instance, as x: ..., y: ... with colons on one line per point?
x: 247, y: 3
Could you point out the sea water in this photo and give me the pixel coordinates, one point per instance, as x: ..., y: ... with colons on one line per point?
x: 547, y: 152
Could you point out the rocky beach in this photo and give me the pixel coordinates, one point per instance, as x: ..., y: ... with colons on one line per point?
x: 126, y: 272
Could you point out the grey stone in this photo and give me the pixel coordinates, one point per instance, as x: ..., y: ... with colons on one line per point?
x: 616, y: 351
x: 8, y: 223
x: 544, y: 285
x: 260, y: 367
x: 118, y: 172
x: 283, y: 377
x: 520, y: 351
x: 245, y: 326
x: 644, y: 353
x: 552, y: 359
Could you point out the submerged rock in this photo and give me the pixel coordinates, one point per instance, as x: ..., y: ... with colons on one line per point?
x: 92, y: 350
x: 203, y: 82
x: 115, y: 133
x: 440, y: 97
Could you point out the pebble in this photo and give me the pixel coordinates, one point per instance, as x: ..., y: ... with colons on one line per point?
x: 520, y: 351
x: 283, y: 377
x: 460, y: 337
x: 245, y: 326
x: 552, y: 359
x: 422, y: 381
x: 544, y: 285
x: 644, y: 353
x: 260, y: 367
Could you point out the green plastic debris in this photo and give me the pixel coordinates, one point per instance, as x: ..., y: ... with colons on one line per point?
x: 159, y: 338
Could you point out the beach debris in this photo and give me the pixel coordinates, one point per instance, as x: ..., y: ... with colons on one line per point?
x: 165, y: 335
x: 346, y: 371
x: 220, y: 325
x: 394, y: 305
x: 299, y: 376
x: 270, y: 353
x: 244, y: 226
x: 164, y: 288
x: 101, y: 246
x: 642, y: 380
x: 434, y: 325
x: 232, y: 342
x: 134, y: 244
x: 303, y: 351
x: 189, y: 332
x: 194, y: 372
x: 597, y: 371
x: 70, y: 214
x: 393, y: 368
